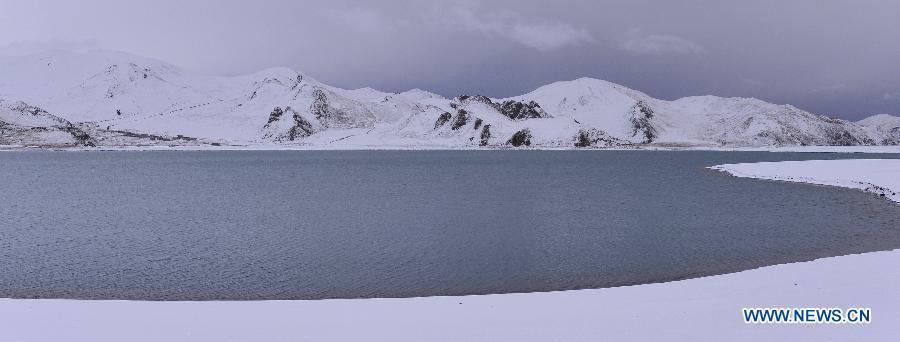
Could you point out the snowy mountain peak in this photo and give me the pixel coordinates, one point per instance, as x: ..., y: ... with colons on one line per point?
x: 281, y: 75
x: 587, y: 87
x: 878, y: 119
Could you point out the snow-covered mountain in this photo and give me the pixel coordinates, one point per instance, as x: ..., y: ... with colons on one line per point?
x: 117, y: 98
x: 22, y: 124
x: 887, y: 127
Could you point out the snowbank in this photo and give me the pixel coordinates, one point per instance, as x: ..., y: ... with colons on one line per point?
x: 879, y: 176
x: 704, y: 309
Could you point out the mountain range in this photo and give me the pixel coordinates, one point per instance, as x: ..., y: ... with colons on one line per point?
x: 104, y: 98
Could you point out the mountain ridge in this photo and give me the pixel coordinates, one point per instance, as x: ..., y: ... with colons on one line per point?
x: 119, y: 92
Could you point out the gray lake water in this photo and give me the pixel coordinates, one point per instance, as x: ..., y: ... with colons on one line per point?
x: 312, y: 225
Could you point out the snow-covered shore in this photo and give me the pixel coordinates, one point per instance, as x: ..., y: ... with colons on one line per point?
x: 705, y: 309
x: 878, y: 176
x: 691, y: 310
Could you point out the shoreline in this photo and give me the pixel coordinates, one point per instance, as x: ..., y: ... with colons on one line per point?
x: 702, y: 308
x: 880, y: 178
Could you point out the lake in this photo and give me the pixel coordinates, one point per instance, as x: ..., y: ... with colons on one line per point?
x: 246, y: 225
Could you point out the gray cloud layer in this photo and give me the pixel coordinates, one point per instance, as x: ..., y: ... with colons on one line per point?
x: 832, y: 57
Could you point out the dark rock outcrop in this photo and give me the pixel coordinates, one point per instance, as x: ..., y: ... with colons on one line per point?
x: 275, y: 115
x: 485, y: 136
x: 151, y: 137
x: 442, y: 120
x: 521, y: 138
x: 595, y: 138
x: 320, y: 107
x: 81, y: 137
x: 641, y: 114
x: 515, y: 110
x: 300, y: 129
x: 465, y: 99
x: 518, y: 110
x: 462, y: 118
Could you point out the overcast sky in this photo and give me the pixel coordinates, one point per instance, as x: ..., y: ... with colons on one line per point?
x: 840, y: 58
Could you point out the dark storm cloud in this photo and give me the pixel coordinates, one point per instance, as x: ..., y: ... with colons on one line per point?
x: 832, y: 57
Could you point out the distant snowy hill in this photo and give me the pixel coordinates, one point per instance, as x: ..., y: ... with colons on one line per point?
x: 22, y: 124
x: 751, y: 122
x: 118, y: 98
x: 887, y: 127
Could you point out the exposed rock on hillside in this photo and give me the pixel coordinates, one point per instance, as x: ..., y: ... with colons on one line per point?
x: 521, y: 138
x: 596, y: 138
x: 485, y: 137
x: 518, y: 110
x: 641, y: 114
